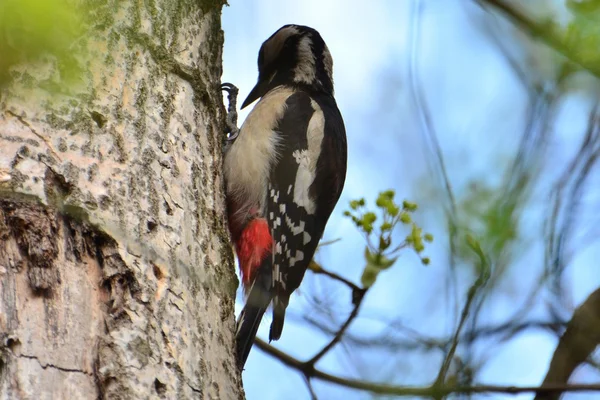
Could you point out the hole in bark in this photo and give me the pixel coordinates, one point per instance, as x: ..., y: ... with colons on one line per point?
x: 151, y: 225
x: 168, y: 209
x: 160, y: 387
x: 157, y: 272
x: 107, y: 286
x: 98, y: 118
x: 11, y: 343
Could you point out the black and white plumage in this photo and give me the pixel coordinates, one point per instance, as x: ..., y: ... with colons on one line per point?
x: 286, y: 168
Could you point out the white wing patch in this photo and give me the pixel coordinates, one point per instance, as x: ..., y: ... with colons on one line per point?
x: 304, y: 178
x: 307, y: 160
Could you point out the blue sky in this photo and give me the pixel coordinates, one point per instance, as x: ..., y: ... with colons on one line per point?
x: 478, y: 107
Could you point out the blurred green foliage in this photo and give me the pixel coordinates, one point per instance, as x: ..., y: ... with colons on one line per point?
x: 492, y: 215
x: 582, y: 34
x: 380, y: 253
x: 32, y: 29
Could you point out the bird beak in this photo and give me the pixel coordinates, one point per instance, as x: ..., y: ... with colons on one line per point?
x: 258, y: 91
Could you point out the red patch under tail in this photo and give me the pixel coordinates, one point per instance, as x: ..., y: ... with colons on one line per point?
x: 253, y: 245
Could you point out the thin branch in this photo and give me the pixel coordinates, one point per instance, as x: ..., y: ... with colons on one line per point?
x: 417, y: 340
x: 428, y: 130
x: 358, y: 295
x: 492, y: 32
x: 311, y: 390
x: 329, y: 242
x: 423, y: 109
x: 580, y: 339
x: 357, y: 298
x: 425, y: 391
x: 318, y: 269
x: 463, y: 318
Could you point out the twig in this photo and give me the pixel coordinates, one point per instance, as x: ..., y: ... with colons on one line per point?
x: 329, y: 242
x: 311, y: 390
x: 419, y: 340
x: 429, y: 391
x: 357, y: 298
x: 423, y: 109
x: 463, y: 318
x: 318, y: 269
x: 358, y: 295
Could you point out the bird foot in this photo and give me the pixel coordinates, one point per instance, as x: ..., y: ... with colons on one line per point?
x: 231, y: 128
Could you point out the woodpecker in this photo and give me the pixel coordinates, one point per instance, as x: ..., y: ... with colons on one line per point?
x: 284, y: 174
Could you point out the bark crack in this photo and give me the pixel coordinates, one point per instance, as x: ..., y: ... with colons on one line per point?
x: 174, y: 202
x: 178, y: 295
x: 195, y: 390
x: 49, y: 365
x: 41, y: 137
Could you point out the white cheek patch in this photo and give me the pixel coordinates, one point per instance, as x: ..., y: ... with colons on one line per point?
x: 305, y: 70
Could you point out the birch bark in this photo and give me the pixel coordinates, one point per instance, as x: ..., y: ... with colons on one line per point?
x: 116, y: 273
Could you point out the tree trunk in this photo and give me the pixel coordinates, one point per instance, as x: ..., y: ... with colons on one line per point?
x: 116, y: 272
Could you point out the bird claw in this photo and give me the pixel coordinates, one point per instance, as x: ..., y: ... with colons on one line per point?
x: 231, y: 128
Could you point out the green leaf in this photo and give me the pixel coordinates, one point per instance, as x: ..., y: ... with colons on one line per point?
x: 409, y: 206
x: 369, y: 217
x: 369, y: 276
x: 385, y: 263
x: 367, y: 221
x: 483, y: 260
x: 405, y: 218
x: 381, y: 202
x: 378, y: 260
x: 393, y: 209
x: 418, y: 246
x: 389, y: 194
x: 384, y: 243
x: 370, y: 257
x: 386, y: 226
x: 416, y: 233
